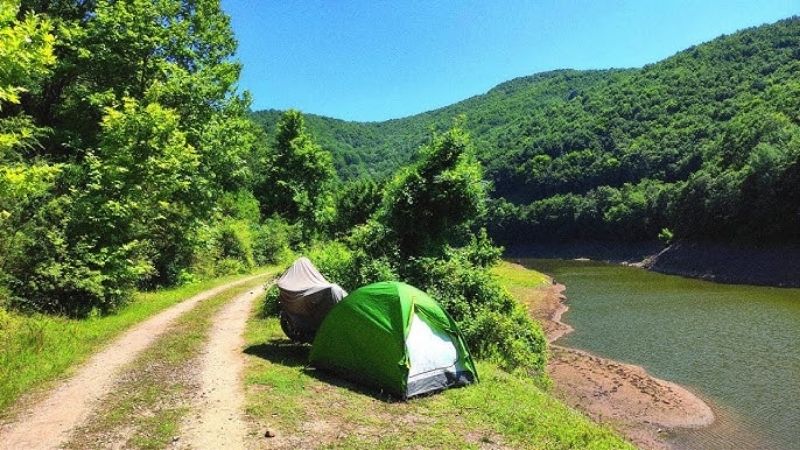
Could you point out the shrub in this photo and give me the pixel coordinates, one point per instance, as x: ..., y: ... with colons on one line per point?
x: 348, y: 268
x: 494, y: 325
x: 271, y: 306
x: 76, y: 279
x: 57, y: 272
x: 240, y: 205
x: 273, y: 241
x: 236, y: 242
x: 230, y: 266
x: 335, y: 261
x: 428, y: 232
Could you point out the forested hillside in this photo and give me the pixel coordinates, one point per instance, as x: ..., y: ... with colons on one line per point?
x: 702, y: 145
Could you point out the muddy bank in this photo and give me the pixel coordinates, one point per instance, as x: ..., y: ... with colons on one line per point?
x: 725, y: 263
x: 643, y: 408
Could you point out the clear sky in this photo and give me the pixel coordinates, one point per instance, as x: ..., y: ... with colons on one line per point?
x: 375, y: 60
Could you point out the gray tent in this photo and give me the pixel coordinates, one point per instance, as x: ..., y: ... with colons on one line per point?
x: 305, y: 297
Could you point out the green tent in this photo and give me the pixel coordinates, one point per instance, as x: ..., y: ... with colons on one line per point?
x: 393, y: 337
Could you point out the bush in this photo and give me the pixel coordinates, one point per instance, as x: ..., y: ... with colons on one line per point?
x: 428, y: 232
x: 59, y: 273
x: 77, y: 279
x: 273, y: 241
x: 348, y: 268
x: 230, y: 266
x: 494, y: 325
x: 236, y: 242
x: 240, y: 205
x: 271, y: 306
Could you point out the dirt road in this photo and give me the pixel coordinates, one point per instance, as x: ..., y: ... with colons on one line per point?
x: 46, y: 424
x: 218, y: 420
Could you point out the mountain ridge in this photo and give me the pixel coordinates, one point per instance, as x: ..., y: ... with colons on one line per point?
x: 620, y: 153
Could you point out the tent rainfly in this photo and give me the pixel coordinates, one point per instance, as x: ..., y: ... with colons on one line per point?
x: 306, y: 297
x: 396, y: 338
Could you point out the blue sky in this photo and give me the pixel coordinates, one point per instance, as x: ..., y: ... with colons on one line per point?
x: 375, y: 60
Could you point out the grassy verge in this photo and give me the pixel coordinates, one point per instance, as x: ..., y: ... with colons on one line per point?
x: 514, y: 276
x: 146, y: 407
x: 36, y: 349
x: 308, y: 409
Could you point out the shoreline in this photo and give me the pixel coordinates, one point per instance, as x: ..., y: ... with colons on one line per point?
x: 643, y: 408
x: 759, y: 265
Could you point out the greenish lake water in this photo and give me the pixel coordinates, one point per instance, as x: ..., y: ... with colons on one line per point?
x: 738, y: 347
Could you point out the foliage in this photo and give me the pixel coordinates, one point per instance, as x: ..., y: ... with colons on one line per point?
x: 298, y: 177
x: 427, y: 232
x: 126, y: 157
x: 274, y: 240
x: 438, y: 200
x: 355, y: 201
x: 142, y: 185
x: 26, y: 55
x: 495, y: 325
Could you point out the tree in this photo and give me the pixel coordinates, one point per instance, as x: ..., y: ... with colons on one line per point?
x: 437, y: 201
x: 26, y: 55
x: 356, y: 201
x: 297, y: 176
x: 144, y: 185
x: 428, y: 232
x: 174, y: 52
x: 122, y: 144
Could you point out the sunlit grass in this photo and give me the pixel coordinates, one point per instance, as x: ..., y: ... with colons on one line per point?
x: 513, y: 275
x: 308, y: 409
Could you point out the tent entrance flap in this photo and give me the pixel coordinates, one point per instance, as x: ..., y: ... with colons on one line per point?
x: 433, y: 359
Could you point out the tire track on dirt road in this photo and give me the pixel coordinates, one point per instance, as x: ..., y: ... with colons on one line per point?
x: 218, y: 420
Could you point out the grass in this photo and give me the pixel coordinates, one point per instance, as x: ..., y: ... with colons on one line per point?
x: 37, y: 349
x: 309, y: 409
x: 146, y: 408
x: 513, y: 276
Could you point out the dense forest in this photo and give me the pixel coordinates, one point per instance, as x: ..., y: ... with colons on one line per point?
x: 127, y: 158
x: 703, y: 145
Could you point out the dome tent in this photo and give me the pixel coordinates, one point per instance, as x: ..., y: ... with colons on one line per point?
x: 306, y: 297
x: 393, y: 337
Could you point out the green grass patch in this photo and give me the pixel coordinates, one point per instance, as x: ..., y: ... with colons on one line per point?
x: 513, y: 275
x: 308, y: 409
x: 36, y: 349
x: 146, y: 408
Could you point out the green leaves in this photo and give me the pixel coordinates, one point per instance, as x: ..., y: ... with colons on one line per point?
x: 141, y: 114
x: 298, y: 176
x: 437, y: 200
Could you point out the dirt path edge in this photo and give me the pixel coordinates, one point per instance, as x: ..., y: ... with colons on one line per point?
x: 46, y: 423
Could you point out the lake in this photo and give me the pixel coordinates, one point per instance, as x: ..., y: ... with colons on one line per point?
x: 737, y: 347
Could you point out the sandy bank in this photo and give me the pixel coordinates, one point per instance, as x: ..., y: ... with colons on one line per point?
x: 626, y: 397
